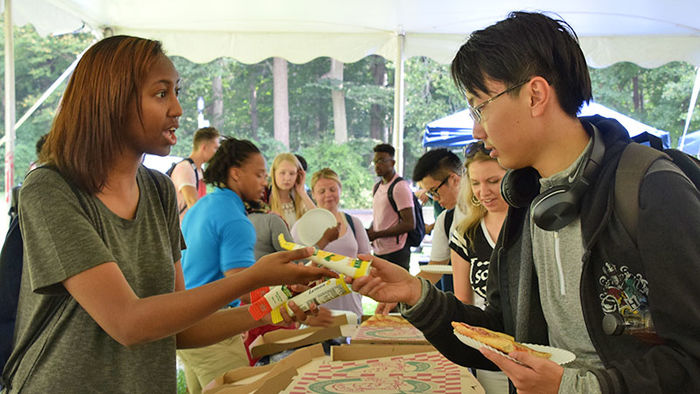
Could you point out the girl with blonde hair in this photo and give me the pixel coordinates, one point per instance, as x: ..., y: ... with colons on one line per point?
x: 288, y: 196
x: 474, y: 237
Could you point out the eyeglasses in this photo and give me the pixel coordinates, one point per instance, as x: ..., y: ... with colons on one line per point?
x: 433, y: 192
x: 475, y: 112
x: 472, y: 149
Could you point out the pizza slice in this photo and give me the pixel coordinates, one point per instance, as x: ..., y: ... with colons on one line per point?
x: 497, y: 340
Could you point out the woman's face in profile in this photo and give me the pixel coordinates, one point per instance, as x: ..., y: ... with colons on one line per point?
x: 154, y: 131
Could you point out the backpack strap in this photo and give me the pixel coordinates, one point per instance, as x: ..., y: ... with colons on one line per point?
x: 196, y: 173
x: 194, y: 167
x: 392, y: 202
x: 348, y: 218
x: 390, y: 194
x: 633, y: 165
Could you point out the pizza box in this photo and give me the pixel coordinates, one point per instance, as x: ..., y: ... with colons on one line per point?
x: 364, y: 351
x: 423, y: 371
x: 279, y: 340
x: 390, y: 329
x: 271, y: 378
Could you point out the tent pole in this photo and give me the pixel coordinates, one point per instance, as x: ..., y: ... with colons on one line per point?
x: 691, y: 107
x: 399, y: 93
x: 9, y: 103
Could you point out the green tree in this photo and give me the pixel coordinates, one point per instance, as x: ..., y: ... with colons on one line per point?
x: 658, y: 96
x: 352, y: 165
x: 39, y: 61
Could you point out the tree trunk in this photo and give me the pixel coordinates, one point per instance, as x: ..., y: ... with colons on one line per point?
x: 338, y: 96
x: 253, y: 103
x: 377, y: 128
x: 281, y: 100
x: 636, y: 96
x: 216, y: 113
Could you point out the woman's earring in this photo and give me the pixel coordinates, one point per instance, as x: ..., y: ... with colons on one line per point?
x: 475, y: 201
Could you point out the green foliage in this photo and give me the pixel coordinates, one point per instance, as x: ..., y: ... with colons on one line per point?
x: 351, y: 161
x: 430, y: 95
x: 181, y: 382
x: 269, y: 147
x: 39, y: 61
x: 663, y: 94
x: 247, y: 94
x: 368, y: 306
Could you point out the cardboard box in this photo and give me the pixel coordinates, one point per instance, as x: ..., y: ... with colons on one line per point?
x: 430, y: 370
x: 271, y: 378
x: 392, y: 329
x: 364, y: 351
x: 276, y: 341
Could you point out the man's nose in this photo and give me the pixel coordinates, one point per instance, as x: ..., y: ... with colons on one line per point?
x: 478, y: 132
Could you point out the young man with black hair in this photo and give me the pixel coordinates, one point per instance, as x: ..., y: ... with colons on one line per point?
x: 557, y: 275
x: 187, y: 175
x: 388, y: 231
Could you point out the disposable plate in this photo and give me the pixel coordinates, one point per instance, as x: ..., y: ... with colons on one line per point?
x: 313, y: 224
x: 559, y: 356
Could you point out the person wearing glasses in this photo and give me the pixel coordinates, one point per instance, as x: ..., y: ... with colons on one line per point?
x: 388, y: 231
x: 476, y: 234
x: 622, y: 299
x: 438, y: 172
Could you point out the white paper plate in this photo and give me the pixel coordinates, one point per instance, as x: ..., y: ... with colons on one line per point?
x: 436, y: 268
x: 313, y: 224
x: 559, y: 356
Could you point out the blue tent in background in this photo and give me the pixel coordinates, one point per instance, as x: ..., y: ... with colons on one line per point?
x: 633, y: 127
x: 456, y: 130
x: 451, y: 131
x: 691, y: 145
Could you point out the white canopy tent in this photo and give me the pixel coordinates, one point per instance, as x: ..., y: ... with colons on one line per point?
x: 647, y: 32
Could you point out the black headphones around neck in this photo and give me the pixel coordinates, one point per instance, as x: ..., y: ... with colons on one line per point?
x: 556, y: 207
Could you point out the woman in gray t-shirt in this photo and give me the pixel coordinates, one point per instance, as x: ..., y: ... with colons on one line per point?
x: 102, y: 303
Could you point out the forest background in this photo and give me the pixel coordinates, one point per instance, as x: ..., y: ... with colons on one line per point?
x: 336, y: 112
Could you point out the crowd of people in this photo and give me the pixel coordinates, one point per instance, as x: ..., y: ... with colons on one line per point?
x: 125, y: 267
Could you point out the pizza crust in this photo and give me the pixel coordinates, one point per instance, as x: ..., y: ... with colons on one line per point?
x: 497, y: 340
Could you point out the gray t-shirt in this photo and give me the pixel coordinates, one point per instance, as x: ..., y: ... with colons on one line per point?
x: 268, y: 227
x: 557, y: 256
x: 71, y: 353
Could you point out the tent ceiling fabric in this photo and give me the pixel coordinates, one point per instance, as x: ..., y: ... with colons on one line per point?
x: 649, y: 33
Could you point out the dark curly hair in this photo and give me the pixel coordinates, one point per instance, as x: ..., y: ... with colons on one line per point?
x: 231, y: 153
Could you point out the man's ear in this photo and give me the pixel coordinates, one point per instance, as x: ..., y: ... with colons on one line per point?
x: 455, y: 179
x: 540, y: 95
x: 234, y: 173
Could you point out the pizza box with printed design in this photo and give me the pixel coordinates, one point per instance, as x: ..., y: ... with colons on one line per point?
x: 362, y: 351
x: 422, y: 372
x: 392, y: 329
